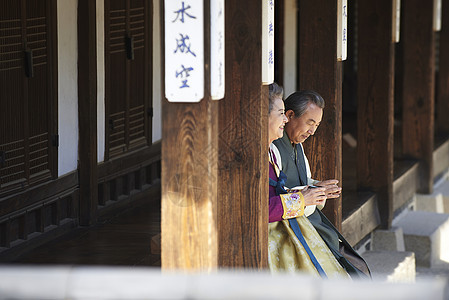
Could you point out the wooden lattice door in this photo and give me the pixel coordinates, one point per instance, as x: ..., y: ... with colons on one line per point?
x: 28, y: 153
x: 127, y: 67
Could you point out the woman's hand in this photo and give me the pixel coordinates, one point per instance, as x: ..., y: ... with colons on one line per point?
x: 314, y: 196
x: 332, y: 189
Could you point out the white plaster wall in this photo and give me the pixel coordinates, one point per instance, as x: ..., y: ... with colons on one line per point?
x: 67, y: 86
x: 157, y: 112
x: 100, y: 82
x: 289, y: 47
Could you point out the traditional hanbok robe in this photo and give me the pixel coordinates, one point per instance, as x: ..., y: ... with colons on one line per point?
x: 295, y: 165
x: 293, y: 243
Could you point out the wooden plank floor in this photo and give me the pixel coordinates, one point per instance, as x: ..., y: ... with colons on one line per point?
x: 121, y: 240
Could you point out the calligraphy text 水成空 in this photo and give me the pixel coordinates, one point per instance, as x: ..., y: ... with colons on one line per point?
x: 183, y: 44
x: 182, y: 12
x: 184, y: 73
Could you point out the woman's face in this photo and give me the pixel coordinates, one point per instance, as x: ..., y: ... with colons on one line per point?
x: 276, y: 120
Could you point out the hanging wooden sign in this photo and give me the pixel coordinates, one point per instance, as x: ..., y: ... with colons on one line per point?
x: 396, y: 22
x: 217, y: 49
x: 437, y: 15
x: 268, y: 41
x: 342, y: 29
x: 184, y: 50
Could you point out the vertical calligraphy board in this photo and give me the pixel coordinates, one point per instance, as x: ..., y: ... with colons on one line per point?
x: 342, y: 29
x: 184, y: 50
x: 437, y: 15
x: 396, y: 28
x: 217, y: 48
x: 268, y: 41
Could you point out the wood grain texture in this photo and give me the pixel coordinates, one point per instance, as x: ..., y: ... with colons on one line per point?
x: 87, y: 111
x: 243, y: 143
x: 418, y: 86
x: 279, y: 44
x: 375, y: 103
x: 443, y: 73
x: 189, y: 184
x: 319, y: 70
x: 189, y: 178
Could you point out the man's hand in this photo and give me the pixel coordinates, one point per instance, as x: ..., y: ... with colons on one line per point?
x: 332, y: 190
x: 315, y: 196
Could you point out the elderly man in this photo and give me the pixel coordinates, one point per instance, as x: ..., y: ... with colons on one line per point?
x: 304, y: 111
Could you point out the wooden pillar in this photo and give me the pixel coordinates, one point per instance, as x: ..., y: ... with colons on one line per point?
x: 443, y: 73
x: 189, y: 176
x: 375, y: 103
x: 319, y: 70
x: 214, y: 160
x: 243, y: 143
x: 279, y: 43
x: 87, y: 111
x: 418, y: 86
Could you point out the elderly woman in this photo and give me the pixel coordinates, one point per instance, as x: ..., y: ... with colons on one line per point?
x: 294, y: 244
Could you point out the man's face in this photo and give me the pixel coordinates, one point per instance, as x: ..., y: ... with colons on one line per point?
x: 299, y: 129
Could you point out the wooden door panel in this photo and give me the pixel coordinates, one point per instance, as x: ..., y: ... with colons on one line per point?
x: 38, y: 97
x: 12, y: 134
x: 137, y: 116
x: 126, y: 60
x: 26, y: 98
x: 137, y: 113
x: 117, y: 69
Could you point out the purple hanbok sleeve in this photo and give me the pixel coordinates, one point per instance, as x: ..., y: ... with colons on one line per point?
x: 275, y: 205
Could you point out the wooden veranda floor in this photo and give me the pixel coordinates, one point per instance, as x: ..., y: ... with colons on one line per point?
x: 123, y: 239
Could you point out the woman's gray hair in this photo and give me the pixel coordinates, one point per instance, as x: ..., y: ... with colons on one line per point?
x: 275, y: 91
x: 299, y: 101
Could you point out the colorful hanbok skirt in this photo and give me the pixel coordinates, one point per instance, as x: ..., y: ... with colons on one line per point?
x: 287, y: 254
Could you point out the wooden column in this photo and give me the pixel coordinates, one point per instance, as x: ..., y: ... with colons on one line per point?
x: 214, y: 160
x: 243, y: 143
x: 443, y: 74
x: 375, y: 103
x: 418, y: 86
x: 279, y: 42
x: 189, y: 176
x: 87, y: 110
x: 319, y: 70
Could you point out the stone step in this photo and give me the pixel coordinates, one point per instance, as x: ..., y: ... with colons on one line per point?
x: 427, y: 235
x: 391, y: 266
x: 388, y: 240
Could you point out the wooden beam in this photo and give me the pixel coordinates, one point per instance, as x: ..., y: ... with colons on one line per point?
x: 189, y: 177
x: 87, y: 110
x: 443, y: 73
x: 279, y: 43
x: 243, y: 143
x: 375, y: 103
x: 319, y: 70
x: 418, y: 86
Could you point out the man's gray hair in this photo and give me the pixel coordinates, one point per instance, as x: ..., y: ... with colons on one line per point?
x: 299, y: 101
